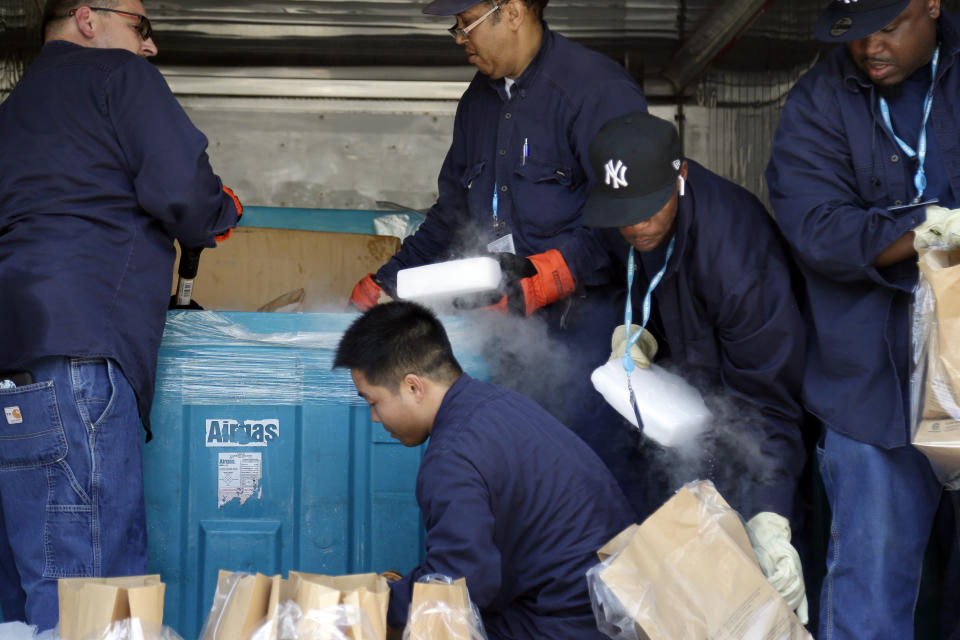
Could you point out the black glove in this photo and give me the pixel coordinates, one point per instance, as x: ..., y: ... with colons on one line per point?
x: 513, y: 269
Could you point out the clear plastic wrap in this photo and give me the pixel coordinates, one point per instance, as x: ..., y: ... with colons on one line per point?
x: 244, y: 358
x: 441, y: 609
x: 134, y: 629
x: 226, y: 587
x: 935, y: 376
x: 340, y: 622
x: 688, y: 573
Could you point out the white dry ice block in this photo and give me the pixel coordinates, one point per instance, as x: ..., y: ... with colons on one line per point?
x: 673, y: 411
x: 448, y: 279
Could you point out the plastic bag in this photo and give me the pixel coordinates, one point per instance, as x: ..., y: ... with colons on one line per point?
x: 21, y: 631
x: 688, y: 572
x: 134, y: 629
x: 935, y: 378
x: 441, y: 609
x: 341, y: 622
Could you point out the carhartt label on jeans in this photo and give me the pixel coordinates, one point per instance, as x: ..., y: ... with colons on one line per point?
x: 13, y: 415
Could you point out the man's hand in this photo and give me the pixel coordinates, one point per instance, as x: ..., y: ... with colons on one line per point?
x: 942, y: 227
x: 642, y: 351
x: 367, y: 294
x: 533, y: 282
x: 236, y: 202
x: 770, y: 536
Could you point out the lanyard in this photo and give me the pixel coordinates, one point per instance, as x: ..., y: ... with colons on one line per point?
x: 628, y: 364
x: 920, y: 178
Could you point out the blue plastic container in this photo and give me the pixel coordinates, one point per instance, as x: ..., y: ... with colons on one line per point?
x: 264, y: 459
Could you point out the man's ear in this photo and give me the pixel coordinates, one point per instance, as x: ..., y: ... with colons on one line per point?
x: 86, y: 22
x: 933, y: 8
x: 415, y: 386
x: 515, y: 13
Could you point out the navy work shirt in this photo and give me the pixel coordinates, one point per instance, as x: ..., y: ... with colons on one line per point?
x: 556, y: 106
x: 834, y: 171
x: 518, y: 505
x: 100, y: 169
x: 732, y: 328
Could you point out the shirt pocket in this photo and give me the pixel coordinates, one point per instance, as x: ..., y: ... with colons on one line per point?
x: 543, y: 198
x: 31, y: 433
x: 478, y: 203
x: 870, y: 185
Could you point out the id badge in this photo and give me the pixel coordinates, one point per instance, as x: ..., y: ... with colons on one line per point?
x: 503, y: 245
x: 912, y: 205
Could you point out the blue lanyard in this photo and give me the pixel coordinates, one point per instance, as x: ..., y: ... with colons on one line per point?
x: 628, y: 363
x: 920, y: 178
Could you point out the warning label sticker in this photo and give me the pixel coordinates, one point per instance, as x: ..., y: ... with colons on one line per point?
x: 239, y: 476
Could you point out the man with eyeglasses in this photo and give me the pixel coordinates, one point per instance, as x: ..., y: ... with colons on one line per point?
x: 514, y: 183
x: 100, y: 169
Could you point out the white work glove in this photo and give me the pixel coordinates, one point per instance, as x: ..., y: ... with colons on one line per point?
x: 770, y: 536
x: 942, y: 227
x: 642, y: 351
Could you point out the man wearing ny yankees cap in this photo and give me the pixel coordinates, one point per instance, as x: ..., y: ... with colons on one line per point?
x: 867, y: 141
x: 714, y: 274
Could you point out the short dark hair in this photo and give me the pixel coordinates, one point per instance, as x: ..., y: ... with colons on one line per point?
x: 59, y: 9
x: 394, y: 339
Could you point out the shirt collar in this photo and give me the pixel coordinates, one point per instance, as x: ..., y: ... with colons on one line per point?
x: 525, y: 79
x: 450, y: 399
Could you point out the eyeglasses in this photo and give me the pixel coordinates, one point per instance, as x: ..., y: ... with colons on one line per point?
x: 464, y: 33
x: 143, y: 22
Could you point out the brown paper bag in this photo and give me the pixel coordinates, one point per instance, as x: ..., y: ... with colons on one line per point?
x: 441, y: 612
x: 366, y: 592
x: 241, y: 604
x: 939, y: 398
x: 91, y: 605
x: 689, y: 573
x: 941, y: 269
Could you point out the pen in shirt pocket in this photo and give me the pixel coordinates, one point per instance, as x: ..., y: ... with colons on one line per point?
x: 526, y: 152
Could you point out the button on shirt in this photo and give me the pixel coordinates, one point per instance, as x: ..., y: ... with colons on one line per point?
x: 556, y: 105
x: 100, y: 169
x: 834, y: 171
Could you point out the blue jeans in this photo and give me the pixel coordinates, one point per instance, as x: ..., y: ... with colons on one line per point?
x: 883, y: 504
x: 71, y: 484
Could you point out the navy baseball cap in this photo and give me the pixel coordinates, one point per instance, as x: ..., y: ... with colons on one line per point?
x: 449, y: 7
x: 635, y: 160
x: 847, y: 20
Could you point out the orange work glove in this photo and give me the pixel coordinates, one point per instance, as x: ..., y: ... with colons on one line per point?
x: 236, y: 202
x: 533, y: 282
x: 367, y: 294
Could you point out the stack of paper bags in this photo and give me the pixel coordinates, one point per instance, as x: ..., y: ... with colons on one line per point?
x: 688, y: 573
x: 360, y: 600
x: 90, y: 606
x: 305, y: 606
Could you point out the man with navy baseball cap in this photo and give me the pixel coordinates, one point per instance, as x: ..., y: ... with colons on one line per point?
x: 867, y: 140
x: 514, y: 183
x: 711, y: 298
